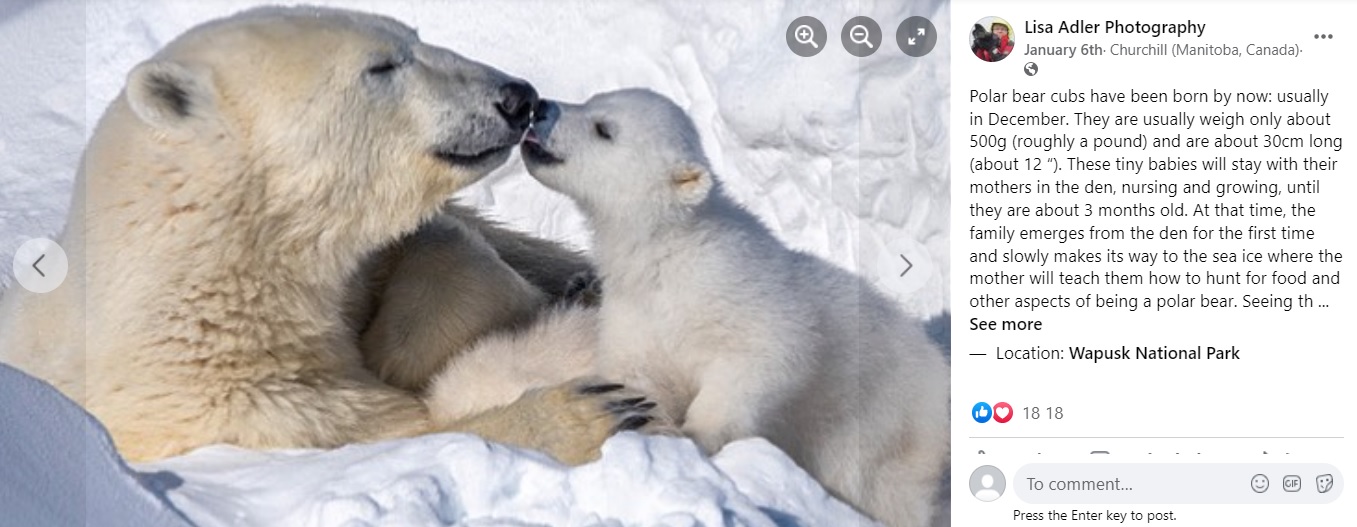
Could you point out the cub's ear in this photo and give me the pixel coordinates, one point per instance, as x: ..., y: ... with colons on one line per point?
x: 691, y: 182
x: 167, y: 94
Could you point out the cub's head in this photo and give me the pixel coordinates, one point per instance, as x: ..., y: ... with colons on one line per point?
x: 321, y: 120
x: 620, y: 153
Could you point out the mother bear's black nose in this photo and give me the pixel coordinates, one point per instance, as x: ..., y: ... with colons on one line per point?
x: 517, y: 100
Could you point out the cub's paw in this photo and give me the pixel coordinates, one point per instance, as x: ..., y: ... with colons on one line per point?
x: 584, y: 289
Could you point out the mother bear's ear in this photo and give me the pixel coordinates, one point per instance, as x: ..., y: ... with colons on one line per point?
x: 168, y: 94
x: 691, y: 183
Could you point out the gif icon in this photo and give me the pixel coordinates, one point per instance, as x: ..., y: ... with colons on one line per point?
x: 1291, y: 483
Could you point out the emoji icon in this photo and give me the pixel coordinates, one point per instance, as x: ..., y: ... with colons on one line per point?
x: 980, y: 412
x: 1324, y: 483
x: 1259, y: 483
x: 1003, y: 413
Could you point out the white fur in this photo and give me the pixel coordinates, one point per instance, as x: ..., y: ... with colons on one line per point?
x: 498, y: 369
x: 221, y: 211
x: 735, y: 334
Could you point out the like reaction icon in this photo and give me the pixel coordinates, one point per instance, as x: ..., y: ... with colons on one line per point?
x: 1003, y: 413
x: 981, y: 412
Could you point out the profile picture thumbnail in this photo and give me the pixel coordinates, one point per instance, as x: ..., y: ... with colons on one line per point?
x: 992, y: 39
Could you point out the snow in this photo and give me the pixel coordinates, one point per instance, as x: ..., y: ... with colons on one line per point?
x: 453, y: 479
x: 843, y: 157
x: 57, y: 458
x: 56, y: 455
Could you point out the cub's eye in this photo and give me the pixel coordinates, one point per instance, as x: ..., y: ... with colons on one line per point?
x: 604, y: 130
x: 382, y: 68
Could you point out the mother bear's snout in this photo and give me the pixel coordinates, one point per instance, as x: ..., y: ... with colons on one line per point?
x: 517, y: 100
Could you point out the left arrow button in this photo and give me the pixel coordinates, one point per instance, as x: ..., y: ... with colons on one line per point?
x: 40, y: 265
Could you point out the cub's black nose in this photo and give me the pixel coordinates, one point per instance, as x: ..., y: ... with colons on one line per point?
x: 545, y: 112
x: 516, y: 102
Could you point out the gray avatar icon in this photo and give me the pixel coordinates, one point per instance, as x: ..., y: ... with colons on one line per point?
x: 806, y: 36
x: 861, y: 36
x: 916, y: 36
x: 987, y: 483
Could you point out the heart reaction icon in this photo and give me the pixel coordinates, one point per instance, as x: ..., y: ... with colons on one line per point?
x: 1002, y: 412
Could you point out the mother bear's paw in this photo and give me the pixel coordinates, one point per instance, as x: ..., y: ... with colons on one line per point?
x: 569, y: 421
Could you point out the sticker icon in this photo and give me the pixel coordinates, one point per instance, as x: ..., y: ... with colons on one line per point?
x: 1003, y: 413
x: 981, y: 412
x: 1324, y: 483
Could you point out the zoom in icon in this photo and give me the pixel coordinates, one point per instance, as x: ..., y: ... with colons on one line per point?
x: 806, y: 36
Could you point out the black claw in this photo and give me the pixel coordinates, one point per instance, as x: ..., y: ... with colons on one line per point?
x: 624, y: 404
x: 600, y: 388
x: 634, y: 422
x: 647, y: 406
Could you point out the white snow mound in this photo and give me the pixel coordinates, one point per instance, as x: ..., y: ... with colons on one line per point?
x: 453, y: 479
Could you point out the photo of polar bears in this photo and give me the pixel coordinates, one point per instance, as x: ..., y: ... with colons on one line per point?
x: 264, y: 254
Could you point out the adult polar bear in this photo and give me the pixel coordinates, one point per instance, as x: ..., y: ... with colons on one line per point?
x: 735, y: 334
x: 223, y: 206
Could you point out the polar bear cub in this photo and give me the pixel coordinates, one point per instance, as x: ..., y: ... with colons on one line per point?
x: 734, y: 334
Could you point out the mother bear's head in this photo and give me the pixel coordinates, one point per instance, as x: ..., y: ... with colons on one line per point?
x: 301, y: 126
